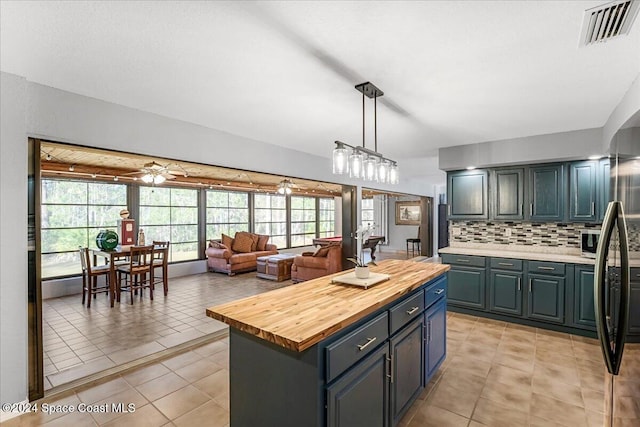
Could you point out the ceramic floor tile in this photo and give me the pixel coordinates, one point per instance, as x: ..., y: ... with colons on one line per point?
x: 208, y: 414
x: 214, y: 385
x: 146, y: 415
x: 147, y: 373
x: 553, y: 387
x: 458, y: 401
x: 509, y: 376
x: 161, y: 386
x: 494, y: 414
x: 517, y: 398
x: 180, y: 402
x: 104, y: 389
x: 559, y: 412
x: 433, y: 416
x: 565, y: 374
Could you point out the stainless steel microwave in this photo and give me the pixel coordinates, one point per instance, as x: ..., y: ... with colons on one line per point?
x: 589, y: 242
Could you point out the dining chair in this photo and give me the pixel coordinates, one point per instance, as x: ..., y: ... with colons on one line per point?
x: 138, y: 274
x: 414, y: 241
x: 90, y: 276
x: 160, y: 261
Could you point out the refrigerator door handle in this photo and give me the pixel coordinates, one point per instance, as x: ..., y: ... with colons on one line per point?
x: 612, y: 351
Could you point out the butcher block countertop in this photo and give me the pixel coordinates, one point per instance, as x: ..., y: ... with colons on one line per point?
x: 299, y: 316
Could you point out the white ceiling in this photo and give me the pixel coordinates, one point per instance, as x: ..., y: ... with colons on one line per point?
x: 284, y: 72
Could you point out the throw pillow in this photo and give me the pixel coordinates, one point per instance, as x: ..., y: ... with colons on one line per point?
x: 242, y: 242
x: 216, y: 245
x: 322, y: 252
x: 227, y: 241
x: 262, y: 242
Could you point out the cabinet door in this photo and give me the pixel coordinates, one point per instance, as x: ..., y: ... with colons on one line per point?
x: 507, y: 194
x: 634, y: 303
x: 603, y: 186
x: 583, y: 304
x: 582, y: 191
x: 361, y: 397
x: 435, y: 343
x: 546, y: 193
x: 468, y: 193
x: 466, y: 286
x: 545, y: 299
x: 407, y: 369
x: 505, y: 292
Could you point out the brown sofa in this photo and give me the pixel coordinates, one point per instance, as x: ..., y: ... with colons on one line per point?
x: 309, y: 265
x: 238, y: 255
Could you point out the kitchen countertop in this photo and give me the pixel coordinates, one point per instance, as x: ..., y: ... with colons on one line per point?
x: 299, y: 316
x: 527, y: 252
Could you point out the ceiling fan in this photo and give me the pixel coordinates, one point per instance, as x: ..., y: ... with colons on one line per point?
x: 155, y: 173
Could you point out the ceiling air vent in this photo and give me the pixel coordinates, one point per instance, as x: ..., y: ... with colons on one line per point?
x: 605, y: 22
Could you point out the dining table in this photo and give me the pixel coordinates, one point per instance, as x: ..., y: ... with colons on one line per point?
x: 111, y: 255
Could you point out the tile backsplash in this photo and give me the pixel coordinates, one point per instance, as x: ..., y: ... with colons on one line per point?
x: 543, y: 234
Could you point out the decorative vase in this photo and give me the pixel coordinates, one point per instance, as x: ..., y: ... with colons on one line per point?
x: 362, y: 272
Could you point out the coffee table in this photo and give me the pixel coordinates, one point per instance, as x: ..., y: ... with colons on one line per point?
x: 275, y: 267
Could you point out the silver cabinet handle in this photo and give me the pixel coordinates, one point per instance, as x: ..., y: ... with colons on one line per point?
x: 430, y: 335
x: 413, y: 310
x: 593, y: 208
x: 519, y: 283
x: 391, y: 367
x: 462, y: 260
x: 449, y: 210
x: 531, y: 209
x: 530, y: 285
x: 508, y: 264
x: 439, y: 291
x: 367, y: 344
x: 546, y: 268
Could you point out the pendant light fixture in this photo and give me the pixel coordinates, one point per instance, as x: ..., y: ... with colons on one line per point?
x: 361, y: 162
x: 285, y: 187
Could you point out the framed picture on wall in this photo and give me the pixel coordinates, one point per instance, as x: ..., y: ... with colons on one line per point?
x: 408, y: 213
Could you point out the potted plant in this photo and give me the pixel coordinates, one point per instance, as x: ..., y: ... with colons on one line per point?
x: 362, y: 234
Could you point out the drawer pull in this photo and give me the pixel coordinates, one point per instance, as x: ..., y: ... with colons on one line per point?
x: 439, y: 291
x: 413, y: 310
x: 593, y: 208
x: 530, y: 280
x: 365, y: 345
x: 462, y: 260
x: 519, y: 284
x: 546, y: 268
x: 508, y: 264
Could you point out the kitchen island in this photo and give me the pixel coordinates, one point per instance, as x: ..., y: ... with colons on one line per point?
x: 325, y: 354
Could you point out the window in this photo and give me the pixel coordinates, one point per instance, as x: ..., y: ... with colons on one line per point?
x: 171, y: 214
x: 368, y: 215
x: 327, y: 213
x: 270, y: 213
x: 303, y: 220
x: 227, y: 212
x: 72, y: 215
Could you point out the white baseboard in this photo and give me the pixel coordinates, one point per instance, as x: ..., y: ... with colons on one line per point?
x: 7, y: 415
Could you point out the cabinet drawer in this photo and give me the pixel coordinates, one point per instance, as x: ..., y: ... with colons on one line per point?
x: 635, y: 275
x: 355, y: 345
x: 435, y: 291
x: 540, y: 267
x: 405, y: 311
x: 469, y: 260
x: 506, y: 264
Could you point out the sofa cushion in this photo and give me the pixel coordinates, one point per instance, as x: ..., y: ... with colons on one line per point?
x: 240, y: 258
x: 243, y: 242
x: 227, y: 241
x: 262, y: 242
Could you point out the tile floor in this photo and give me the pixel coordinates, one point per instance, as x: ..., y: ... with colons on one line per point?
x: 495, y: 374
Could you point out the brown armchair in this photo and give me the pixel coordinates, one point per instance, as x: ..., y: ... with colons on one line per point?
x: 309, y: 265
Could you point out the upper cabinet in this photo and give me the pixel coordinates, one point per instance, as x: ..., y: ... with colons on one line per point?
x: 582, y: 191
x: 546, y: 193
x: 468, y: 194
x: 507, y: 194
x: 603, y: 185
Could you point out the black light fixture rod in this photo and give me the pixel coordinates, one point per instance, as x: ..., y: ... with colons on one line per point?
x: 375, y: 122
x: 364, y: 150
x: 363, y: 145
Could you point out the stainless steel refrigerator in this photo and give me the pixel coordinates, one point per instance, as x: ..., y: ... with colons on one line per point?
x: 617, y: 288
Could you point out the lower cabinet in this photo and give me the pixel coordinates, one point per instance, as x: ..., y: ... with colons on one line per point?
x: 361, y: 397
x: 435, y: 341
x: 634, y: 315
x: 545, y: 299
x: 466, y: 281
x: 407, y: 368
x: 505, y: 292
x: 377, y: 389
x: 584, y: 315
